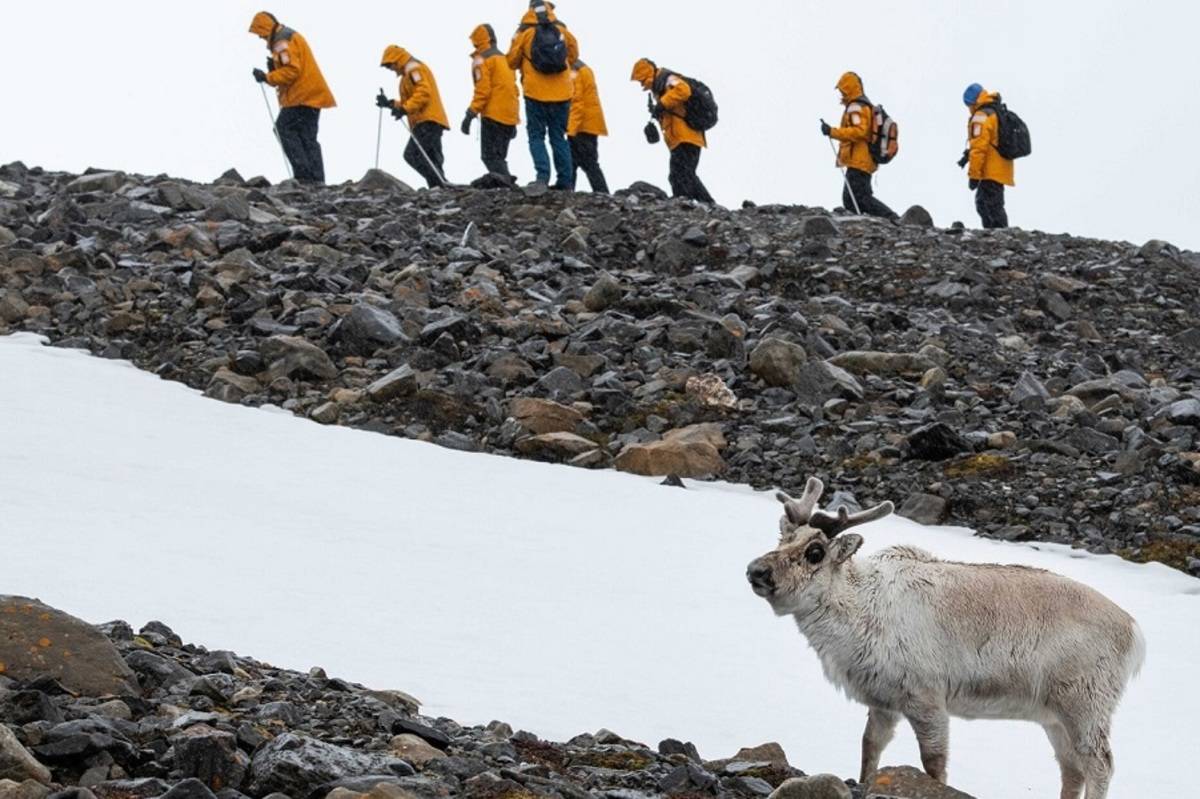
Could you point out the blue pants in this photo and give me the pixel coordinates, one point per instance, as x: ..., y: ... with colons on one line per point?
x: 550, y: 118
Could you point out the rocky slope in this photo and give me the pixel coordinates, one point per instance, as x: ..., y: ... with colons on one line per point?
x: 1034, y: 387
x: 141, y: 716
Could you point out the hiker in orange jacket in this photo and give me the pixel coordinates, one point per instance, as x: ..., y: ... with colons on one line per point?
x: 585, y: 126
x: 292, y: 70
x: 421, y: 102
x: 854, y: 154
x: 543, y: 50
x: 988, y: 172
x: 671, y: 93
x: 496, y: 101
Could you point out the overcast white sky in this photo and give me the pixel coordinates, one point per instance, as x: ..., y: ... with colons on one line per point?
x: 1107, y: 86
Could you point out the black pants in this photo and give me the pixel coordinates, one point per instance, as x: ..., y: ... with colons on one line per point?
x: 428, y: 135
x: 684, y: 181
x: 493, y: 145
x: 989, y: 202
x: 585, y: 155
x: 860, y: 184
x: 298, y: 132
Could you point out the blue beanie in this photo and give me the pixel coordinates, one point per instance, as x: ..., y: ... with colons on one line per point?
x: 971, y: 95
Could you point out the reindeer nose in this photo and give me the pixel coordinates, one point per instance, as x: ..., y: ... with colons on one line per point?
x: 759, y: 575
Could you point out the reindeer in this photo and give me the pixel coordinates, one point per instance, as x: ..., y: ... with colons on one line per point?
x: 914, y: 637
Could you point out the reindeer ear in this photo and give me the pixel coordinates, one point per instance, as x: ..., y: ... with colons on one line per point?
x: 844, y: 546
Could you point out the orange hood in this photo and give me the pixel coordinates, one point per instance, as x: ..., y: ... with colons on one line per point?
x: 644, y: 72
x: 395, y: 55
x: 263, y: 24
x: 530, y: 17
x: 850, y: 85
x: 483, y: 38
x: 985, y: 98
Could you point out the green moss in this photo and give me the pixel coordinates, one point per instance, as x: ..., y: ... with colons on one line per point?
x: 1169, y: 551
x: 975, y: 466
x: 616, y: 760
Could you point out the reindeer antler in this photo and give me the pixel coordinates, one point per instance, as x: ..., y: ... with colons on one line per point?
x: 799, y: 511
x: 834, y: 525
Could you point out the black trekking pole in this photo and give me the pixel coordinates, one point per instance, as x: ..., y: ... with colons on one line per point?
x: 275, y: 129
x: 379, y: 134
x: 428, y: 160
x: 845, y: 177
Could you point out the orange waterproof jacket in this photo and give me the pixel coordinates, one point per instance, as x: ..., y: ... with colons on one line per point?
x: 587, y: 115
x: 855, y: 131
x: 296, y: 76
x: 983, y: 133
x: 537, y: 86
x: 419, y: 96
x: 496, y: 96
x: 673, y: 92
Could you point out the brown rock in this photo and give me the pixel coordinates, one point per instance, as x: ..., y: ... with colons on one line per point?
x: 688, y: 452
x: 560, y: 446
x: 37, y: 640
x: 415, y: 750
x: 540, y: 416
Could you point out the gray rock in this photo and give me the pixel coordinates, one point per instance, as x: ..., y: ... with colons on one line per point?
x: 367, y: 328
x: 917, y: 216
x: 561, y: 382
x: 38, y: 641
x: 927, y: 509
x: 820, y: 786
x: 210, y: 756
x: 17, y: 763
x: 1186, y: 412
x: 819, y: 226
x: 604, y: 293
x: 96, y: 182
x: 936, y: 442
x: 909, y: 783
x: 819, y: 381
x: 291, y: 356
x: 295, y: 765
x: 1027, y: 390
x: 378, y: 180
x: 400, y: 382
x: 778, y: 362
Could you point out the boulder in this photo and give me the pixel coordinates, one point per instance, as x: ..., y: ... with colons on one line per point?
x: 604, y: 293
x: 17, y: 763
x: 29, y: 789
x: 539, y: 416
x: 556, y: 446
x: 367, y: 328
x: 210, y: 756
x: 107, y: 182
x: 778, y: 362
x: 927, y: 509
x: 291, y: 356
x: 295, y: 765
x: 378, y: 180
x: 38, y: 641
x: 820, y: 786
x: 916, y: 216
x: 415, y: 750
x: 936, y: 442
x: 820, y: 381
x: 883, y: 364
x: 400, y: 382
x: 688, y: 452
x: 909, y: 783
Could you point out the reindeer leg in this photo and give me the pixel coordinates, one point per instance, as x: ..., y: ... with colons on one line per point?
x: 881, y: 726
x: 1068, y: 761
x: 932, y: 726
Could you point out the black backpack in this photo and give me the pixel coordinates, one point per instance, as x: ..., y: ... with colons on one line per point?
x: 700, y: 112
x: 1013, y: 141
x: 549, y: 50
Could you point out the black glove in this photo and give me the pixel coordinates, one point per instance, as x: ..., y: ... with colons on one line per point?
x: 382, y: 101
x: 972, y: 184
x: 651, y: 132
x: 466, y: 123
x: 825, y: 129
x: 260, y: 76
x: 398, y: 113
x: 962, y: 162
x: 270, y: 63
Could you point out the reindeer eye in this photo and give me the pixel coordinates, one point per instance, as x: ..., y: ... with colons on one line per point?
x: 815, y: 553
